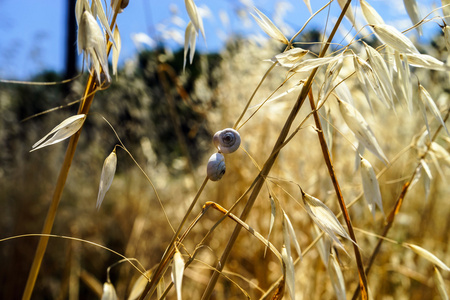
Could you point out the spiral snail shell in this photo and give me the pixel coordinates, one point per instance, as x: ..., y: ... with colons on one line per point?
x: 216, y: 167
x: 227, y: 140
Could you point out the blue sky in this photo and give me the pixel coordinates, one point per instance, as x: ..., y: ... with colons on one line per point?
x: 32, y: 31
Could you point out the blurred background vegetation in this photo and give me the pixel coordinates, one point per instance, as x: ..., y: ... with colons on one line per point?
x: 166, y: 118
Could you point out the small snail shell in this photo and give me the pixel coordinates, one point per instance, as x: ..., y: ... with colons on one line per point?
x: 216, y: 167
x: 227, y: 140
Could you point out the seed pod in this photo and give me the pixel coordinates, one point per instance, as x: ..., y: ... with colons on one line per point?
x: 227, y: 140
x: 216, y: 167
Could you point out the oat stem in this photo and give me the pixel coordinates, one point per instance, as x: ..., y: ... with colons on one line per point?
x: 85, y: 105
x: 270, y: 162
x: 327, y: 158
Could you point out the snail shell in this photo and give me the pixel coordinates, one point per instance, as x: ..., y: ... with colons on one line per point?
x: 216, y: 167
x: 227, y: 140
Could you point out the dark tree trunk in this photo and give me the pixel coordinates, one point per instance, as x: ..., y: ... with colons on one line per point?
x: 71, y: 39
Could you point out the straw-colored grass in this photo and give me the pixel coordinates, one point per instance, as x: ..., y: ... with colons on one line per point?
x: 161, y: 206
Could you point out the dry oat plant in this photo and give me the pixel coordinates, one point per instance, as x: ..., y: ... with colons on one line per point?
x: 310, y: 166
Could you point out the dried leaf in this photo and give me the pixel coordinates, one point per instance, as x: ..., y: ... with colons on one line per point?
x: 290, y: 272
x: 336, y: 277
x: 109, y: 293
x: 64, y: 130
x: 426, y: 98
x: 413, y: 12
x: 266, y: 24
x: 370, y: 186
x: 370, y: 14
x: 393, y: 38
x: 324, y: 218
x: 139, y: 285
x: 107, y: 176
x: 361, y: 129
x: 177, y: 272
x: 116, y: 50
x: 440, y: 284
x: 428, y: 256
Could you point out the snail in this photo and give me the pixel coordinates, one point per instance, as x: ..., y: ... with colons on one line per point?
x: 227, y: 140
x: 216, y: 167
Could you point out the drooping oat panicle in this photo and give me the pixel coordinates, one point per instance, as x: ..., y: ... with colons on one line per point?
x: 139, y: 285
x: 190, y: 40
x: 428, y: 256
x: 109, y: 292
x: 427, y: 62
x: 291, y: 57
x: 64, y: 130
x: 380, y: 67
x: 273, y: 215
x: 427, y: 178
x: 323, y: 245
x: 100, y: 13
x: 370, y: 186
x: 414, y: 13
x: 93, y: 43
x: 289, y: 271
x: 177, y: 272
x: 361, y: 78
x: 440, y: 284
x: 116, y: 50
x: 324, y: 218
x: 266, y: 24
x: 446, y: 10
x: 370, y: 14
x: 336, y: 277
x: 194, y: 16
x: 360, y: 128
x: 425, y: 97
x: 310, y: 64
x: 350, y: 15
x: 107, y: 176
x: 393, y: 38
x: 446, y: 30
x: 308, y: 5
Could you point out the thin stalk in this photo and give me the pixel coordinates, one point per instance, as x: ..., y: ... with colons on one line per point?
x: 165, y: 260
x: 398, y: 204
x: 89, y: 94
x: 270, y: 162
x: 327, y: 158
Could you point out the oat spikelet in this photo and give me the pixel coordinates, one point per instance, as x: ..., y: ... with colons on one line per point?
x: 324, y: 218
x: 393, y: 38
x: 109, y: 292
x: 370, y: 186
x: 361, y: 129
x: 428, y: 256
x: 177, y: 272
x: 64, y: 130
x: 107, y: 176
x: 266, y: 24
